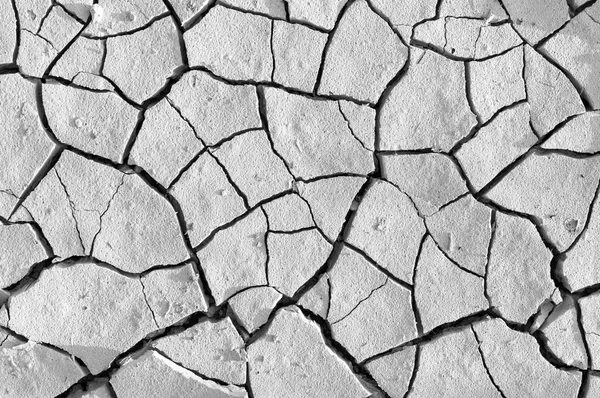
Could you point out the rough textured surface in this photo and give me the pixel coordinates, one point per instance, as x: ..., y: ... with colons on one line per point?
x: 299, y: 198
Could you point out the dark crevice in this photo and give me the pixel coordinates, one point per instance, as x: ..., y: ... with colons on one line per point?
x: 91, y: 251
x: 134, y: 351
x: 487, y: 369
x: 46, y: 167
x: 262, y: 111
x: 330, y: 38
x: 226, y: 225
x: 272, y: 51
x: 415, y: 371
x: 195, y: 372
x: 477, y: 128
x: 380, y: 268
x: 62, y: 52
x: 581, y: 329
x: 73, y: 210
x: 129, y: 32
x: 43, y: 19
x: 147, y: 303
x: 18, y: 31
x: 489, y: 256
x: 350, y: 127
x: 185, y: 169
x: 441, y: 51
x: 133, y: 136
x: 70, y: 13
x: 266, y: 241
x: 194, y: 20
x: 103, y: 57
x: 468, y: 94
x: 436, y: 332
x: 31, y: 277
x: 235, y: 187
x: 360, y: 302
x: 413, y: 299
x: 183, y: 230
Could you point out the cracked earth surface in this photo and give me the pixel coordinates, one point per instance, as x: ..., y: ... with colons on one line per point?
x: 299, y: 198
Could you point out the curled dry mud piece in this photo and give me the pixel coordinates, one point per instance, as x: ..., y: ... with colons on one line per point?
x: 299, y: 198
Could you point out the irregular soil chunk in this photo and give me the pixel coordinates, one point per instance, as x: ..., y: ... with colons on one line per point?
x: 25, y: 145
x: 292, y: 360
x: 316, y: 299
x: 388, y: 228
x: 21, y: 250
x: 95, y: 122
x: 428, y: 107
x: 140, y: 63
x: 207, y: 198
x: 320, y: 13
x: 253, y: 306
x: 232, y: 44
x: 579, y: 134
x: 33, y: 370
x: 384, y: 321
x: 88, y: 310
x: 393, y: 371
x: 294, y: 258
x: 211, y: 348
x: 153, y: 376
x: 463, y: 231
x: 579, y: 266
x: 575, y: 48
x: 352, y: 280
x: 496, y: 145
x: 591, y: 326
x: 83, y: 56
x: 111, y: 17
x: 556, y: 189
x: 441, y: 185
x: 297, y: 52
x: 518, y: 278
x: 452, y: 365
x: 139, y: 230
x: 563, y: 336
x: 165, y: 143
x: 173, y: 294
x: 443, y: 292
x: 236, y: 257
x: 215, y: 109
x: 288, y: 213
x: 537, y: 19
x: 273, y: 8
x: 313, y: 137
x: 551, y: 95
x: 8, y: 36
x: 507, y: 352
x: 253, y: 166
x: 364, y: 55
x: 497, y: 82
x: 330, y: 200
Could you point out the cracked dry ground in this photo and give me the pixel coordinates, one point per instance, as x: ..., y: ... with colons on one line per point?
x: 299, y: 198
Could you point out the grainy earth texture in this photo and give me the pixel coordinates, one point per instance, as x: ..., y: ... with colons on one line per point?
x: 299, y: 198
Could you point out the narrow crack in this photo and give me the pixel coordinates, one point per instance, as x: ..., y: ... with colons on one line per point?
x: 350, y: 127
x: 360, y: 302
x: 147, y: 303
x: 487, y: 369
